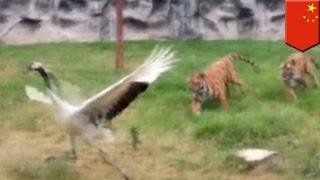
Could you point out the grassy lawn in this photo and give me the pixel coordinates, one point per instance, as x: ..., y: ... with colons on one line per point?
x: 175, y: 143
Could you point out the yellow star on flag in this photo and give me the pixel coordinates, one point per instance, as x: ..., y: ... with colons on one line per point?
x: 311, y: 7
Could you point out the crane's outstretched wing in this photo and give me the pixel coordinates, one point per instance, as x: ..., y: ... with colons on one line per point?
x: 70, y: 92
x: 36, y: 95
x: 114, y: 99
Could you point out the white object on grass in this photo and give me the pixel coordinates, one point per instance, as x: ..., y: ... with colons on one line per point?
x: 255, y: 155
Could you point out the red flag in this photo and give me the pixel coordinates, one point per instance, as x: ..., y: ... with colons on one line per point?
x: 302, y: 23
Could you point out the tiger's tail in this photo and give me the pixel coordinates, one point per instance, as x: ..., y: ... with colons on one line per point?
x: 236, y: 56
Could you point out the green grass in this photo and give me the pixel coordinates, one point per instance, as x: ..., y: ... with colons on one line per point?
x: 263, y: 118
x: 55, y: 170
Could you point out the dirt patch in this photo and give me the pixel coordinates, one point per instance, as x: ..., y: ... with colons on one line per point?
x: 33, y: 148
x: 8, y: 71
x: 167, y: 157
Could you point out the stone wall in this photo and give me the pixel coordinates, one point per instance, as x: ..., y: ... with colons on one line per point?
x: 29, y: 21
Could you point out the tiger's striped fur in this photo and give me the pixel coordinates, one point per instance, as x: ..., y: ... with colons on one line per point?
x: 214, y: 82
x: 295, y: 70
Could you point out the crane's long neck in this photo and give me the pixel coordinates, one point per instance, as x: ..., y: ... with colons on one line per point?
x: 45, y: 77
x: 62, y: 108
x: 48, y: 78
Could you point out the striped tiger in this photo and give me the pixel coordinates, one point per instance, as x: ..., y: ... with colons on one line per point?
x: 295, y: 70
x: 214, y: 82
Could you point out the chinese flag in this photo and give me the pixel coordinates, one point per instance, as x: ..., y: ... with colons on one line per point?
x: 302, y: 23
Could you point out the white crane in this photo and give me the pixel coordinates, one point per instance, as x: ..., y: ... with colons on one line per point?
x: 87, y: 119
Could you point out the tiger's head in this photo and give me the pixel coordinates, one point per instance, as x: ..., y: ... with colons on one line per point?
x: 196, y: 82
x: 287, y: 70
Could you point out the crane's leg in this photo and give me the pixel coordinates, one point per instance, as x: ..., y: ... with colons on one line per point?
x: 104, y: 156
x: 73, y: 147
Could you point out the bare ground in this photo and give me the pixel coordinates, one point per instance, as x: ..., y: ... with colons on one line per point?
x: 153, y: 159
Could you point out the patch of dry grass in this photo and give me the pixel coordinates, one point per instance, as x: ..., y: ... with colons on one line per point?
x: 8, y: 71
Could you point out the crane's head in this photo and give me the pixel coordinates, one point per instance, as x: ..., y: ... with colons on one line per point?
x: 45, y: 73
x: 39, y: 67
x: 36, y: 66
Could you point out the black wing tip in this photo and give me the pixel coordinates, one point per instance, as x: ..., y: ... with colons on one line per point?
x: 131, y: 94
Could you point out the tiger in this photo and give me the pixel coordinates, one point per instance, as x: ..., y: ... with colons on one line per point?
x: 214, y: 82
x: 295, y: 70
